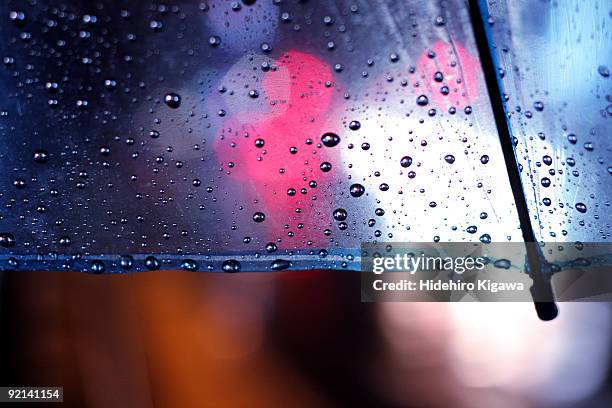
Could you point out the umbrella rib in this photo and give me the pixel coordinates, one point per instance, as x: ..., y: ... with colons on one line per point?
x: 541, y: 290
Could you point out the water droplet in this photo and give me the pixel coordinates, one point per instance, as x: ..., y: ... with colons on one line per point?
x: 603, y: 71
x: 231, y: 266
x: 357, y: 190
x: 581, y: 207
x: 406, y: 161
x: 97, y: 266
x: 214, y: 41
x: 126, y: 262
x: 572, y: 138
x: 19, y: 183
x: 484, y: 159
x: 110, y: 84
x: 471, y: 229
x: 13, y: 263
x: 189, y: 265
x: 422, y: 100
x: 156, y: 25
x: 439, y: 21
x: 152, y: 263
x: 354, y: 125
x: 340, y: 214
x: 545, y: 182
x: 7, y: 240
x: 502, y: 264
x: 41, y: 156
x: 173, y: 100
x: 539, y: 106
x: 325, y: 167
x: 18, y: 17
x: 330, y: 139
x: 52, y: 87
x: 259, y: 217
x: 485, y: 238
x: 280, y: 264
x: 449, y: 158
x: 82, y: 104
x: 267, y: 48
